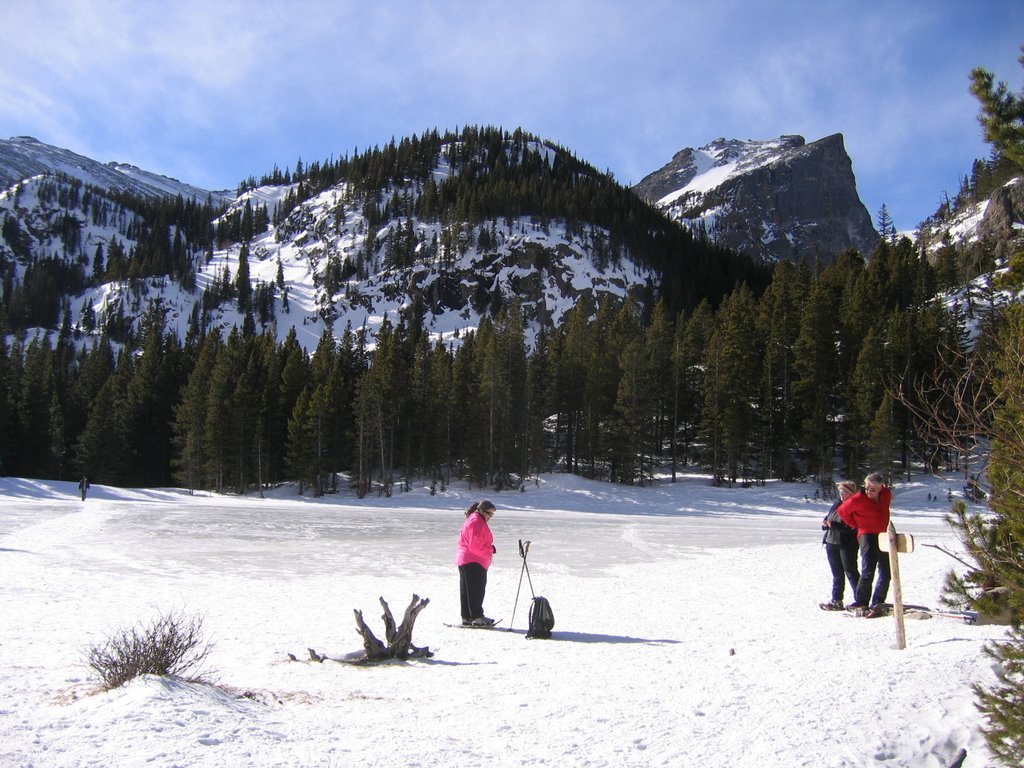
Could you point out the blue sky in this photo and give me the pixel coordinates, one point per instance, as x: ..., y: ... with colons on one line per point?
x: 212, y: 92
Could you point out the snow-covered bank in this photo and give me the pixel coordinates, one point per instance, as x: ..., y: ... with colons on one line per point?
x: 687, y: 632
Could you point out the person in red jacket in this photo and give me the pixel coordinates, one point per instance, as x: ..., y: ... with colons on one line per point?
x: 868, y: 512
x: 476, y: 549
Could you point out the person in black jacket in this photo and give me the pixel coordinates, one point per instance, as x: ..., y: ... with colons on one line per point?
x: 841, y: 549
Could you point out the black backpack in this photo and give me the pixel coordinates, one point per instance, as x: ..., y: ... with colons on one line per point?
x: 542, y: 618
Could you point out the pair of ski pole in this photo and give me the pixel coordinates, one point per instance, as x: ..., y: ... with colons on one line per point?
x: 524, y: 550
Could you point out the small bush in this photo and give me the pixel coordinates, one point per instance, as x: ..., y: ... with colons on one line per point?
x: 172, y: 645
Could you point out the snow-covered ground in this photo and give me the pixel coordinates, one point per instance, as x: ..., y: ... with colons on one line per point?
x: 687, y: 632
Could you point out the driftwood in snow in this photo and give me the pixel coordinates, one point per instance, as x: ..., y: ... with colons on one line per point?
x: 399, y: 638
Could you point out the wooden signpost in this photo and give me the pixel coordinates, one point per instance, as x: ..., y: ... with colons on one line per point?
x: 894, y: 543
x: 904, y: 542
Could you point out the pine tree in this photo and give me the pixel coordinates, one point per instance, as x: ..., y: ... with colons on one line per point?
x: 466, y: 424
x: 225, y: 428
x: 1003, y: 702
x: 7, y: 418
x: 817, y: 384
x: 502, y: 386
x: 539, y: 404
x: 997, y: 542
x: 570, y: 351
x: 779, y: 326
x: 886, y: 227
x: 658, y: 339
x: 146, y: 411
x: 689, y: 350
x: 99, y: 447
x: 38, y: 407
x: 883, y: 440
x: 189, y: 424
x: 423, y: 413
x: 1002, y: 114
x: 294, y: 377
x: 605, y: 341
x: 378, y: 402
x: 864, y: 396
x: 301, y: 453
x: 730, y: 387
x: 633, y: 422
x: 98, y: 265
x: 243, y: 288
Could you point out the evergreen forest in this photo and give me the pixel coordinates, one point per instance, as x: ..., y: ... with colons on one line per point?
x: 798, y: 381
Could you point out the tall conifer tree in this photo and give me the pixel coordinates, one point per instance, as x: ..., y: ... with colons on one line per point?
x: 730, y: 387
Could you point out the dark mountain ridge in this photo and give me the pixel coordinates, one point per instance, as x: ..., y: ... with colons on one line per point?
x: 775, y: 199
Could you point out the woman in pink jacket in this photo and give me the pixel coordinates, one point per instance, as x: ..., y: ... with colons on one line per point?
x: 476, y: 548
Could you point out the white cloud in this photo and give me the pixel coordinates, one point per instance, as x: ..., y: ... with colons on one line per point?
x: 213, y: 92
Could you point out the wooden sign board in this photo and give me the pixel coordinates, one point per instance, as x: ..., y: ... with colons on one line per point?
x: 904, y: 543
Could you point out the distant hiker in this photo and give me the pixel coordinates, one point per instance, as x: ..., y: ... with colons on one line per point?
x: 83, y: 486
x: 840, y: 542
x: 868, y: 512
x: 476, y: 549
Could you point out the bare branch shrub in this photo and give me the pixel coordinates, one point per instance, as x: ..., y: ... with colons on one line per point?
x: 172, y: 645
x: 953, y: 407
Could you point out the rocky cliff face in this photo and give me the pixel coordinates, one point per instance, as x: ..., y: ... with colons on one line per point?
x: 1002, y: 226
x: 775, y: 199
x: 990, y: 227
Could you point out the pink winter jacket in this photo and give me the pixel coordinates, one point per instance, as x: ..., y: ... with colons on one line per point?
x: 476, y: 544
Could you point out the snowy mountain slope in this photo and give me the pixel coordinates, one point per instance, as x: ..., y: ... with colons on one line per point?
x: 546, y: 268
x: 56, y: 223
x: 23, y: 157
x: 774, y: 199
x: 326, y: 264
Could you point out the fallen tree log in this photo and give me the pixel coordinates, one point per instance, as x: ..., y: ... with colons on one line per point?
x: 399, y: 643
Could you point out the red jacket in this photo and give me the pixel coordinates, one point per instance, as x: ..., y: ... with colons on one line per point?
x: 867, y: 516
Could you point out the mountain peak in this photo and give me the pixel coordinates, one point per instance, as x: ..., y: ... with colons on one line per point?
x: 772, y: 198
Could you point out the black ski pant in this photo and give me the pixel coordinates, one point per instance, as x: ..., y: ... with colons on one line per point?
x: 843, y: 562
x: 872, y: 558
x: 472, y: 585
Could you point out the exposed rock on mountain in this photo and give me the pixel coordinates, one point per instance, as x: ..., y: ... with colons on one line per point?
x: 979, y: 229
x: 1002, y: 224
x: 775, y: 199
